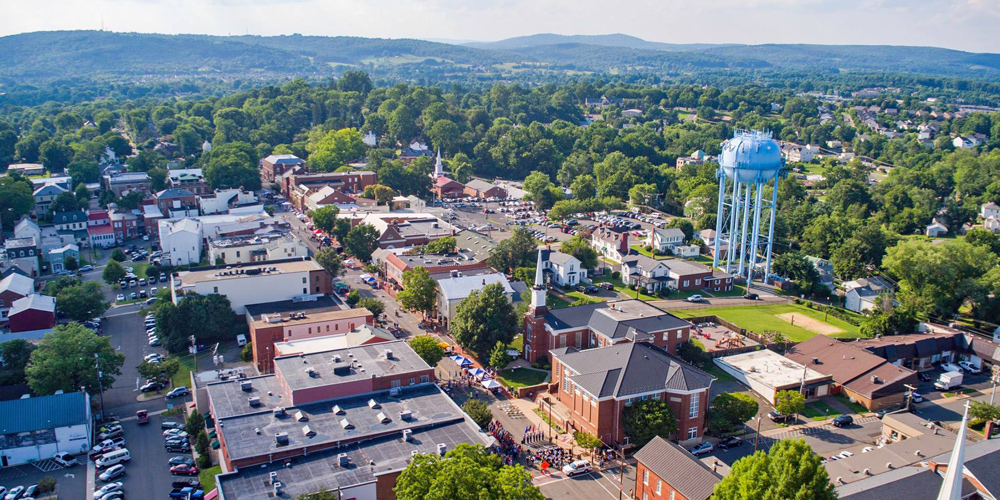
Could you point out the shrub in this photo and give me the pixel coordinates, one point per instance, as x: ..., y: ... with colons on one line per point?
x: 616, y: 274
x: 204, y: 461
x: 246, y: 354
x: 47, y: 484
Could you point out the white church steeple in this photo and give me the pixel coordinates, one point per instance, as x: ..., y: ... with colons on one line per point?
x: 538, y: 291
x: 438, y: 166
x: 951, y: 487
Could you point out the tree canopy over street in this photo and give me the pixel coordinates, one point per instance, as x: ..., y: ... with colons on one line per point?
x: 467, y: 472
x: 484, y: 318
x: 65, y: 360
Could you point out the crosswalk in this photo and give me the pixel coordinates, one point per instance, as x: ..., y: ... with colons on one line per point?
x: 772, y: 438
x: 47, y: 465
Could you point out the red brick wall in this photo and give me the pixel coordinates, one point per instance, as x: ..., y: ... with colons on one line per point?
x: 384, y: 486
x: 320, y: 282
x: 385, y: 383
x: 263, y: 346
x: 649, y: 487
x: 691, y: 278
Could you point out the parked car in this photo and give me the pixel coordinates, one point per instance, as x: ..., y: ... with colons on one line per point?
x: 969, y: 367
x: 926, y: 377
x: 590, y: 289
x: 14, y: 493
x: 120, y: 297
x: 917, y: 398
x: 152, y: 386
x: 112, y: 433
x: 751, y: 296
x: 178, y: 392
x: 702, y: 449
x: 730, y: 442
x: 607, y: 286
x: 178, y: 448
x: 180, y: 460
x: 108, y: 488
x: 577, y: 467
x: 64, y: 459
x: 171, y: 425
x: 695, y: 298
x: 112, y: 473
x: 177, y: 433
x: 778, y: 417
x: 843, y: 421
x: 87, y: 268
x: 184, y: 470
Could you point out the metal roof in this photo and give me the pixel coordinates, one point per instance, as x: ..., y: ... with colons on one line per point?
x: 678, y: 468
x: 631, y: 368
x: 43, y: 412
x: 461, y: 287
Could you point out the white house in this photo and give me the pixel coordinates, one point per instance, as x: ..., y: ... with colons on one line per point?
x: 611, y: 245
x: 936, y: 229
x: 452, y: 291
x: 965, y: 142
x: 992, y: 224
x: 256, y: 248
x: 27, y: 227
x: 989, y: 209
x: 280, y: 280
x: 649, y: 273
x: 663, y: 240
x: 565, y: 269
x: 862, y: 294
x: 181, y: 240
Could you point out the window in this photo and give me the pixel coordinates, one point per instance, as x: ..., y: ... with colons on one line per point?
x: 694, y: 407
x: 237, y: 254
x: 679, y: 334
x: 659, y: 484
x: 645, y: 496
x: 303, y: 280
x: 686, y: 282
x: 425, y: 378
x: 693, y: 433
x: 412, y: 380
x: 310, y: 330
x: 305, y: 291
x: 671, y: 494
x: 645, y: 477
x: 697, y: 281
x: 216, y: 290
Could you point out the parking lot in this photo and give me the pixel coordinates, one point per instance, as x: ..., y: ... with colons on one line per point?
x: 70, y: 482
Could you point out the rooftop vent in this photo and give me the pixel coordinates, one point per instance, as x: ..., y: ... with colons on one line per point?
x: 254, y: 401
x: 405, y: 415
x: 256, y: 430
x: 307, y: 431
x: 246, y: 385
x: 337, y: 358
x: 301, y: 417
x: 311, y: 372
x: 815, y: 360
x: 407, y: 434
x: 373, y: 404
x: 272, y: 477
x: 279, y: 412
x: 343, y: 460
x: 388, y: 354
x: 278, y: 488
x: 346, y: 423
x: 382, y: 417
x: 337, y: 410
x: 442, y: 449
x: 281, y: 438
x: 874, y: 379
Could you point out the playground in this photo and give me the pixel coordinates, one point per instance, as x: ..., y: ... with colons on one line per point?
x: 716, y: 337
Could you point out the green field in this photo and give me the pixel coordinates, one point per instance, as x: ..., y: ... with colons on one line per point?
x: 522, y: 377
x: 763, y: 318
x: 819, y: 410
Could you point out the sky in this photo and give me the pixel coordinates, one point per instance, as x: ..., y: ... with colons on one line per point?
x: 970, y: 25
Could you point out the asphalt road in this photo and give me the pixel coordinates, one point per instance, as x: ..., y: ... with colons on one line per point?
x: 147, y: 474
x: 591, y: 486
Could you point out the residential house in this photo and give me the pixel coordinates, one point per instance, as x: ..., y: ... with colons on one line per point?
x: 176, y: 203
x: 45, y: 195
x: 57, y: 257
x: 596, y: 385
x: 610, y: 244
x: 862, y: 294
x: 664, y: 240
x: 799, y: 153
x: 72, y: 223
x: 965, y: 142
x: 125, y: 224
x: 664, y: 470
x: 825, y: 270
x: 330, y: 196
x: 99, y: 229
x: 936, y: 229
x: 868, y: 379
x: 603, y: 102
x: 26, y: 169
x: 415, y: 150
x: 992, y: 224
x: 13, y: 287
x: 181, y: 241
x: 17, y: 248
x: 918, y: 351
x: 563, y: 269
x: 696, y: 158
x: 189, y: 179
x: 989, y: 209
x: 27, y: 228
x: 478, y: 188
x: 32, y: 313
x: 275, y: 165
x: 646, y: 272
x: 453, y: 290
x: 126, y: 182
x: 256, y: 248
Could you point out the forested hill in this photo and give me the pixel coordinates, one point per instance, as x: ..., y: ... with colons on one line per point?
x: 58, y: 55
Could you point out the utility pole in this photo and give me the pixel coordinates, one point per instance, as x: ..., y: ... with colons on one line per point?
x: 756, y: 438
x: 995, y: 378
x: 100, y: 386
x: 909, y: 395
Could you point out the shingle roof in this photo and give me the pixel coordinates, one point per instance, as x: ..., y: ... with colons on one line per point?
x: 174, y: 193
x: 480, y: 185
x: 36, y: 301
x: 21, y: 285
x: 675, y: 466
x: 560, y: 258
x: 68, y: 217
x: 631, y: 368
x: 42, y: 412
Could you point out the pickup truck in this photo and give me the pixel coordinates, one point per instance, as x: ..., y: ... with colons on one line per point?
x: 187, y: 493
x: 186, y: 483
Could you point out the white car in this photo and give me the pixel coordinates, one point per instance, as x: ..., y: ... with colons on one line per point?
x: 113, y: 472
x: 64, y: 459
x: 152, y: 358
x: 108, y: 488
x: 577, y: 467
x: 845, y: 454
x: 969, y: 367
x: 120, y: 297
x: 695, y: 298
x: 178, y: 433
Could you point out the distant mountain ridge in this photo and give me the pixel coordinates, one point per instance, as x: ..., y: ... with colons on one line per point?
x: 58, y: 55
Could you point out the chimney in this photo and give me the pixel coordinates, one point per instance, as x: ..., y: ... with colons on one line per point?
x: 484, y: 281
x: 623, y: 246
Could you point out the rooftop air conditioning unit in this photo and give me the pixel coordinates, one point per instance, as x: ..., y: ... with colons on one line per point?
x: 311, y: 371
x: 301, y: 417
x: 307, y: 431
x: 281, y: 438
x: 373, y: 404
x: 382, y: 417
x: 388, y: 354
x: 407, y: 434
x: 246, y: 385
x: 405, y: 415
x: 279, y: 412
x: 272, y: 477
x: 254, y: 401
x: 346, y: 424
x: 337, y: 410
x: 337, y: 358
x: 343, y: 460
x: 442, y: 449
x: 278, y: 488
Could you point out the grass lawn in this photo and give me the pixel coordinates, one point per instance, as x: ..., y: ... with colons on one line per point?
x: 522, y: 377
x: 963, y: 392
x: 737, y: 291
x: 818, y: 410
x: 643, y: 251
x: 718, y: 373
x: 582, y: 298
x: 624, y: 290
x: 857, y: 407
x: 183, y: 376
x: 763, y: 318
x: 517, y: 343
x: 555, y: 301
x: 207, y: 478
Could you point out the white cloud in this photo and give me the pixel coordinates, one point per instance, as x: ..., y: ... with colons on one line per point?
x: 962, y: 24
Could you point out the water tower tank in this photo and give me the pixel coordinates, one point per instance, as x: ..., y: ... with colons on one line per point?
x: 751, y: 156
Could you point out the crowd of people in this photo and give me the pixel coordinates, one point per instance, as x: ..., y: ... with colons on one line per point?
x: 507, y: 448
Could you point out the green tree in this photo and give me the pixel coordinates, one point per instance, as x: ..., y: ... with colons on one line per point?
x: 332, y: 262
x: 537, y: 184
x: 82, y: 302
x: 789, y: 470
x: 334, y: 149
x: 484, y: 318
x: 375, y: 306
x: 325, y: 217
x: 15, y: 201
x: 354, y: 81
x: 118, y: 256
x: 195, y: 423
x: 981, y: 410
x: 319, y: 495
x: 789, y: 402
x: 419, y: 291
x: 448, y: 244
x: 55, y: 155
x: 578, y: 247
x: 685, y: 226
x: 584, y: 187
x: 735, y: 408
x: 380, y: 193
x: 64, y: 202
x: 82, y: 195
x: 886, y: 319
x: 15, y: 355
x: 937, y: 279
x: 499, y: 357
x: 587, y: 440
x: 113, y: 272
x: 644, y: 420
x: 479, y: 411
x: 353, y: 298
x: 233, y: 165
x: 246, y: 354
x: 340, y: 229
x: 643, y: 194
x: 71, y: 264
x: 157, y: 179
x: 427, y: 347
x: 468, y: 472
x: 517, y: 251
x: 65, y: 360
x: 361, y: 241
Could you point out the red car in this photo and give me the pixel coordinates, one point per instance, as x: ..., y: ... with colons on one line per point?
x: 184, y: 470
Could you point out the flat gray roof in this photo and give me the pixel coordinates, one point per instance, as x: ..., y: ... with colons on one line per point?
x: 322, y: 471
x: 230, y: 400
x: 427, y: 404
x: 369, y: 361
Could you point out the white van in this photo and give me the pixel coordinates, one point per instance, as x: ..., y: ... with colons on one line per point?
x: 113, y: 458
x: 241, y: 340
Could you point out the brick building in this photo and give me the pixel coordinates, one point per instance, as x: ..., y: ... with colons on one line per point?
x: 275, y: 165
x: 667, y: 471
